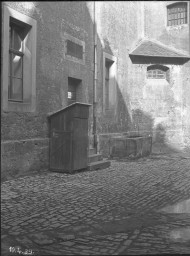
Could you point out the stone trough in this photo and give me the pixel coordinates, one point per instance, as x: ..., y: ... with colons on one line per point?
x: 132, y: 147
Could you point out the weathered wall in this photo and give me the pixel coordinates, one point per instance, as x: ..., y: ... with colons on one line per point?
x: 175, y: 118
x: 25, y: 135
x: 186, y: 105
x: 149, y: 107
x: 118, y: 26
x: 156, y: 26
x: 163, y: 100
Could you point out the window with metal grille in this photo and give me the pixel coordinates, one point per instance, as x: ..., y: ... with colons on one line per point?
x: 157, y: 72
x: 74, y: 50
x: 177, y: 14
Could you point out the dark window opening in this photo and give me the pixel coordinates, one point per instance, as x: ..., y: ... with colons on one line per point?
x: 177, y: 14
x: 108, y: 64
x: 73, y: 86
x: 74, y: 50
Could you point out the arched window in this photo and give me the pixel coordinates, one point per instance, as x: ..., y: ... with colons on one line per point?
x: 177, y: 14
x: 157, y: 72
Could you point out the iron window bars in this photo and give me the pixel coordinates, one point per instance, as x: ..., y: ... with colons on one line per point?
x: 177, y: 14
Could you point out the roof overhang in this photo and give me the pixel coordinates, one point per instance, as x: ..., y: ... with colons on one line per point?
x: 154, y: 49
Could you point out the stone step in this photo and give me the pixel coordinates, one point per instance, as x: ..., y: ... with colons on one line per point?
x: 95, y: 158
x: 99, y: 165
x: 92, y: 151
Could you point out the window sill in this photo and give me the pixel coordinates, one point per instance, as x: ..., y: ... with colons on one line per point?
x: 150, y: 81
x: 18, y: 107
x: 71, y: 58
x: 176, y: 27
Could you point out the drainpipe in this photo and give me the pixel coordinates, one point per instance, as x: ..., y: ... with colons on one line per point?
x: 189, y: 25
x: 95, y: 82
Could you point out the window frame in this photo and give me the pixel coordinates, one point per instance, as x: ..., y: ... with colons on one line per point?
x: 74, y: 54
x: 178, y: 5
x: 108, y: 65
x: 17, y: 53
x: 154, y: 74
x: 28, y: 104
x: 111, y: 107
x: 74, y: 86
x: 75, y: 41
x: 157, y: 68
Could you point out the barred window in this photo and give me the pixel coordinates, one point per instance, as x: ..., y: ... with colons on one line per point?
x: 177, y: 14
x: 157, y: 72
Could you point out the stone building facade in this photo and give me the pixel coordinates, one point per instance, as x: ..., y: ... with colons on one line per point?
x: 156, y: 107
x: 93, y: 52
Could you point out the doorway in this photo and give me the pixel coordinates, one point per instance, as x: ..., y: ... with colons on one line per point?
x: 73, y: 90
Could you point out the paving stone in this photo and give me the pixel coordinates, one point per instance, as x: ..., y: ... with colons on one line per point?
x: 68, y: 243
x: 128, y: 242
x: 66, y: 237
x: 127, y: 191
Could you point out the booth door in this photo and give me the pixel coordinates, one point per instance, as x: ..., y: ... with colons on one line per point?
x: 60, y: 150
x: 80, y: 143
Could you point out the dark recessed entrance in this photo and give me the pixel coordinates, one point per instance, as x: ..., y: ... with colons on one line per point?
x: 73, y: 90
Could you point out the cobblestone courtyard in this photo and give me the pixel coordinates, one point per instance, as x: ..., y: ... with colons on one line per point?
x: 133, y: 207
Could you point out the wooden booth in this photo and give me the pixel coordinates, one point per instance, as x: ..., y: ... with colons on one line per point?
x: 69, y: 138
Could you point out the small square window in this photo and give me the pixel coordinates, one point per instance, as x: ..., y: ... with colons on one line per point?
x: 74, y: 50
x: 69, y: 95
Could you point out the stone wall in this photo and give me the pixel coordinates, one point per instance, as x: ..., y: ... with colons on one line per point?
x: 24, y: 157
x: 25, y: 136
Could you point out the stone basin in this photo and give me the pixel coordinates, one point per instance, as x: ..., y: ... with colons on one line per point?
x: 132, y: 147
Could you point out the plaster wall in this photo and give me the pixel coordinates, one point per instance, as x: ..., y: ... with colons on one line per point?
x: 156, y: 26
x: 144, y: 106
x: 177, y: 37
x: 118, y: 27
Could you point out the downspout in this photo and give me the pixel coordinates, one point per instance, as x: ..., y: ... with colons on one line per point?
x: 95, y: 82
x: 189, y: 26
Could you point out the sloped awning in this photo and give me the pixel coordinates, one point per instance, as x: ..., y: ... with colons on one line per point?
x: 149, y: 48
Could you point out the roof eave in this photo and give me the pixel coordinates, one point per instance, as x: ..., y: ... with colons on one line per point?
x: 142, y: 55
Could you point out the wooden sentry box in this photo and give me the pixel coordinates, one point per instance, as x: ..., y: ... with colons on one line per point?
x: 69, y: 138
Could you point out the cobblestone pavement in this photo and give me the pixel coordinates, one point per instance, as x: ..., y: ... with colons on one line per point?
x: 133, y: 207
